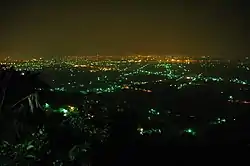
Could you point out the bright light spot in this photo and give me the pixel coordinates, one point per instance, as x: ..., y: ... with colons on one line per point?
x: 71, y: 108
x: 46, y: 105
x: 190, y: 131
x: 63, y: 110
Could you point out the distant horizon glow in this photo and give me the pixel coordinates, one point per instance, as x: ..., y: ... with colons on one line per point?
x: 34, y: 29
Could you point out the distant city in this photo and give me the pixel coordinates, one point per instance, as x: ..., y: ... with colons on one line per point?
x: 112, y: 100
x: 146, y: 74
x: 113, y: 73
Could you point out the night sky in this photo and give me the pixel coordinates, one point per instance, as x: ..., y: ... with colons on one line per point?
x: 45, y: 28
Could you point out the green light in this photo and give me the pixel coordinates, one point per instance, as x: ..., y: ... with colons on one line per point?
x: 190, y: 131
x: 46, y: 105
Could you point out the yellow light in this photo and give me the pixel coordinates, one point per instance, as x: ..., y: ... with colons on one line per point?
x: 71, y: 108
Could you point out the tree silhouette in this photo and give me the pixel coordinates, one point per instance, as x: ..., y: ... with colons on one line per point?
x: 19, y: 100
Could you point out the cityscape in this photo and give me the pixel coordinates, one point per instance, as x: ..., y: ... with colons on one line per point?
x: 122, y: 83
x: 156, y: 100
x: 171, y: 100
x: 146, y: 83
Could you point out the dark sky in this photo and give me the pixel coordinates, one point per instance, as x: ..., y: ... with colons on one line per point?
x: 45, y: 28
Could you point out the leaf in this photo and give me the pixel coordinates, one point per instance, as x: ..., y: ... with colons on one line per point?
x: 30, y: 156
x: 31, y: 104
x: 5, y: 142
x: 30, y: 147
x: 36, y: 101
x: 71, y: 155
x: 30, y: 142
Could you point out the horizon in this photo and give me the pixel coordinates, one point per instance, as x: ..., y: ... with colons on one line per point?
x: 44, y: 28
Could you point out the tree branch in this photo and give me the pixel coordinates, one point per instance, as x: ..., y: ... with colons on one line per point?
x: 20, y: 101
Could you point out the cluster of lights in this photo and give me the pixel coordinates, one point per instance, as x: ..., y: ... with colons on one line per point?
x: 165, y: 68
x: 237, y: 81
x: 173, y: 70
x: 66, y: 110
x: 219, y: 121
x: 142, y: 131
x: 79, y: 121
